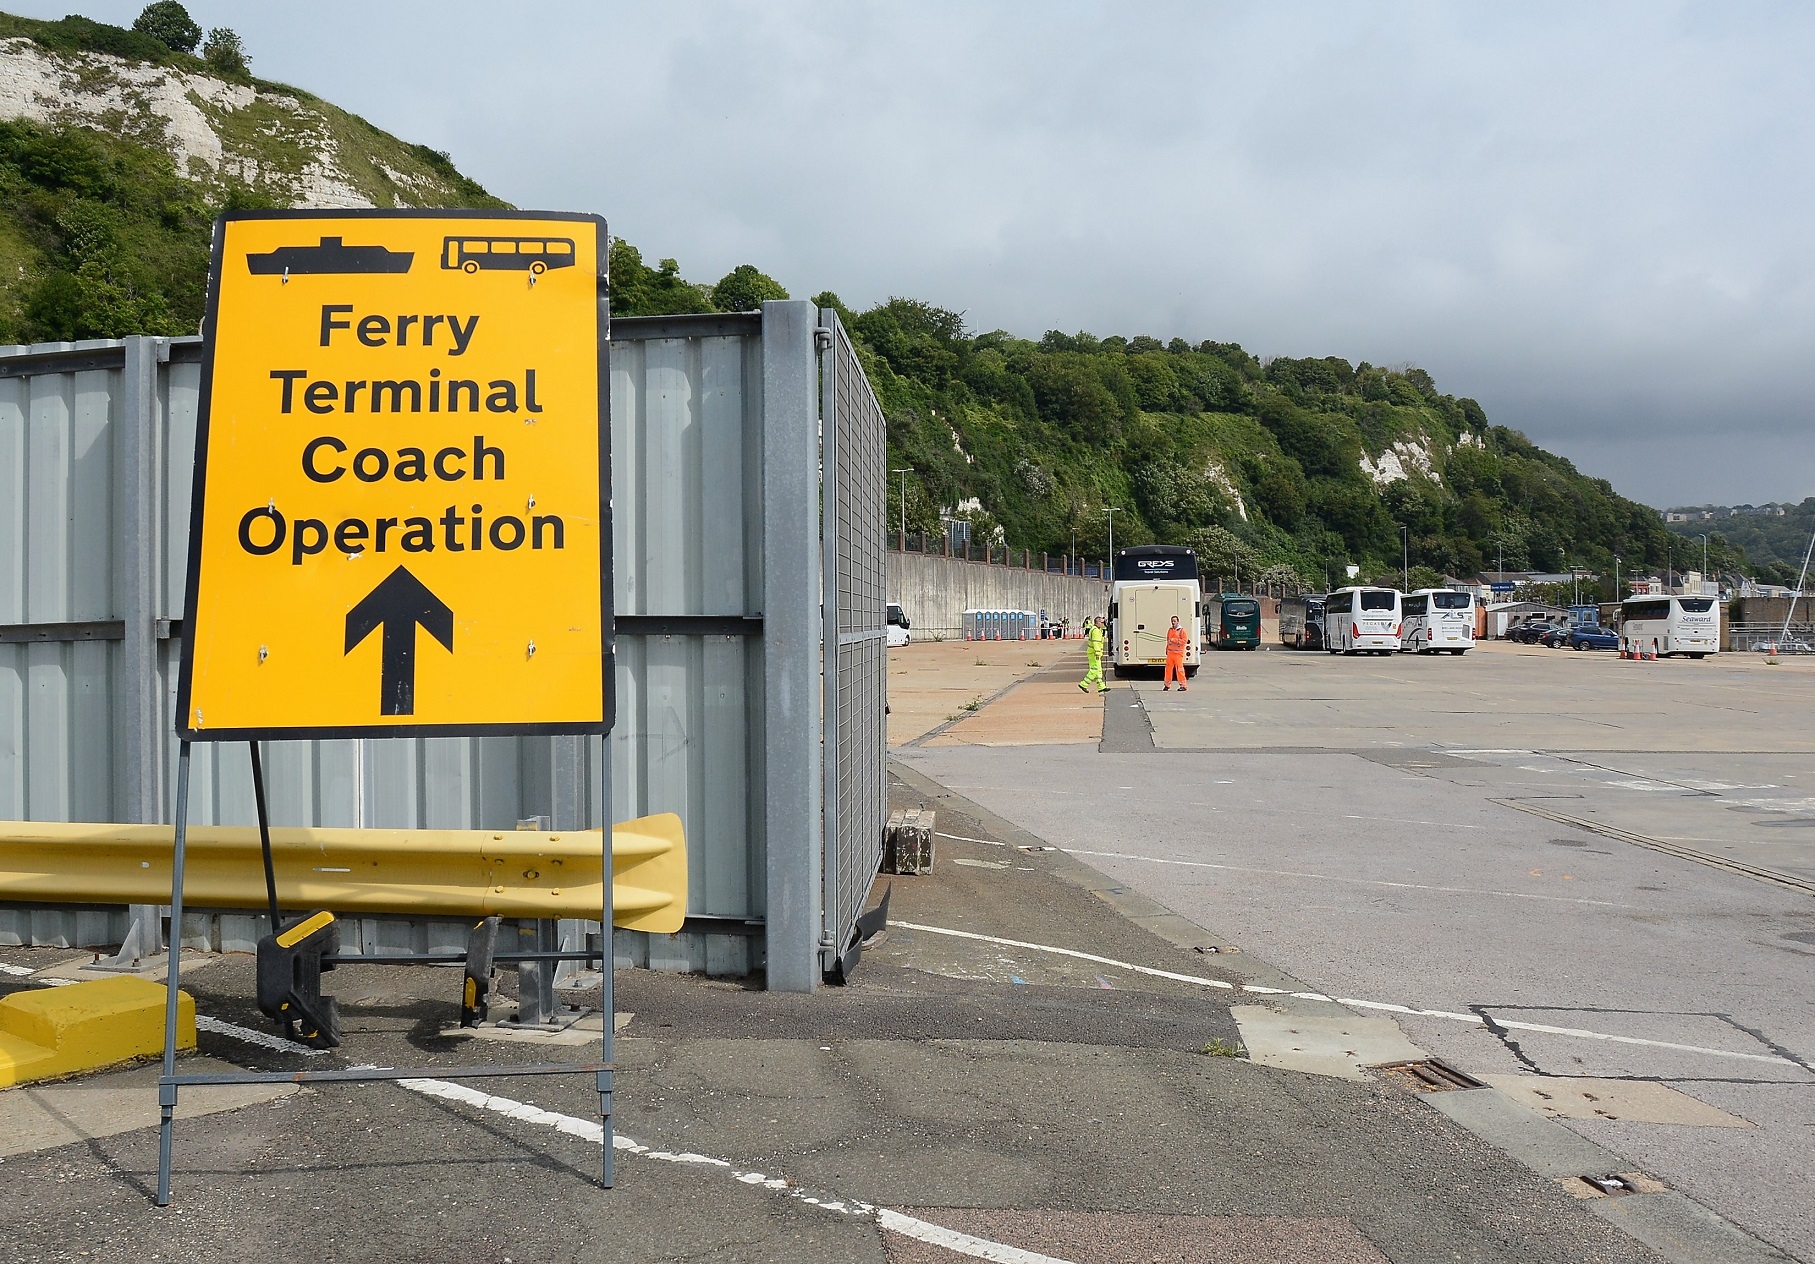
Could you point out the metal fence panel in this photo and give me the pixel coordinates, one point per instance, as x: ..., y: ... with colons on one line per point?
x: 854, y: 498
x: 77, y: 575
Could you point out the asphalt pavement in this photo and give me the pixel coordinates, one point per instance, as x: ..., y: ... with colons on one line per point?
x: 1034, y: 1063
x: 1615, y: 932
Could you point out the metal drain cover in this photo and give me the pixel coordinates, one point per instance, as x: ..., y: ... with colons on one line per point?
x: 1430, y: 1075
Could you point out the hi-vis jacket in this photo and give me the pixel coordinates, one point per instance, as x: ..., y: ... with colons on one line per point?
x: 1093, y: 641
x: 1177, y: 641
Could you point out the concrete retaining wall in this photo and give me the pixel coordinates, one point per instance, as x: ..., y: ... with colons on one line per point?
x: 935, y: 590
x: 1763, y: 609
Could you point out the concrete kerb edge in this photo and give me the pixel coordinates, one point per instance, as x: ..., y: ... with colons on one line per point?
x: 948, y: 725
x: 1672, y: 1224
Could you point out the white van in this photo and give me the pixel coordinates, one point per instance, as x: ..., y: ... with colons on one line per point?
x: 898, y: 625
x: 1362, y: 621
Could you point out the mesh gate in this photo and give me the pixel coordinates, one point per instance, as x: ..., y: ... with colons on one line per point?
x: 854, y: 499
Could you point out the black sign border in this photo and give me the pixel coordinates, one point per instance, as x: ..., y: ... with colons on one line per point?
x: 192, y: 581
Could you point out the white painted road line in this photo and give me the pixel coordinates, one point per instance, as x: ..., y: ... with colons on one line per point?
x: 592, y: 1130
x: 16, y: 971
x: 959, y: 838
x: 269, y: 1040
x: 1355, y: 1002
x: 1364, y: 882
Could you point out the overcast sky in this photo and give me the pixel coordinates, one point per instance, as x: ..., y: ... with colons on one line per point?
x: 1594, y: 219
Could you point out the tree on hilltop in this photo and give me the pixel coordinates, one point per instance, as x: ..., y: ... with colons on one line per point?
x: 170, y: 24
x: 744, y: 289
x: 225, y: 52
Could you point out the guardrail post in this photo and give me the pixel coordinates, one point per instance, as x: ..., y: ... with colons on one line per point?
x: 567, y: 778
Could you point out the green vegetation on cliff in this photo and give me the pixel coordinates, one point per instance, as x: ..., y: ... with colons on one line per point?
x: 1301, y: 465
x: 105, y: 206
x: 1774, y: 546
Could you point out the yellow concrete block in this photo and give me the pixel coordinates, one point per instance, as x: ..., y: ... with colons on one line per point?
x: 56, y: 1032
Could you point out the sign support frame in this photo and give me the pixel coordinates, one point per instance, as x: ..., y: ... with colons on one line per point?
x: 169, y: 1082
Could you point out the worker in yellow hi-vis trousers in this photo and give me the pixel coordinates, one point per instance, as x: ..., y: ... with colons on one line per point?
x: 1094, y: 636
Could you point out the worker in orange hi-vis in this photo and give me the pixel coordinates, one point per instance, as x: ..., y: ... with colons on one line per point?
x: 1177, y: 640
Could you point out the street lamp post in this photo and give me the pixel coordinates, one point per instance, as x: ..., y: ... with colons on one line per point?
x: 1405, y: 556
x: 1616, y: 577
x: 1704, y: 560
x: 1074, y: 551
x: 904, y: 472
x: 1110, y: 514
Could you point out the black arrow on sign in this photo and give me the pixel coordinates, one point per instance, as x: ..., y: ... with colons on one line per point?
x: 398, y: 605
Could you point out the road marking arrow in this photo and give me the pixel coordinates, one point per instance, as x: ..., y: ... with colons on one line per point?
x: 398, y: 605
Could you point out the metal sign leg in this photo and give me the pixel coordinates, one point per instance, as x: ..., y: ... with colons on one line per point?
x: 167, y: 1089
x: 264, y: 833
x: 607, y: 959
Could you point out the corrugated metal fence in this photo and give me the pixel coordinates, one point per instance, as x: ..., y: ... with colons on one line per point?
x: 96, y: 448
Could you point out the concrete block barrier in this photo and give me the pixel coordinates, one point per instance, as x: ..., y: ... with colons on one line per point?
x: 908, y: 842
x: 57, y: 1032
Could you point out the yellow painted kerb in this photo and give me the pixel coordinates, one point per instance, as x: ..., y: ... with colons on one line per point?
x: 58, y: 1032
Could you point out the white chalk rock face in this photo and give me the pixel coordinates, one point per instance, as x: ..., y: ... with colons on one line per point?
x: 1399, y: 462
x: 213, y: 130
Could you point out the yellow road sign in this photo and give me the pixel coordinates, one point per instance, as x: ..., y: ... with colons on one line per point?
x: 400, y: 521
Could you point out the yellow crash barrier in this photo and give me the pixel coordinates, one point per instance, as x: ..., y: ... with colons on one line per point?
x: 56, y: 1032
x: 428, y: 873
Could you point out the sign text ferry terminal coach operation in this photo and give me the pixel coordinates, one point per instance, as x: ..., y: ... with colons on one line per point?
x: 401, y: 518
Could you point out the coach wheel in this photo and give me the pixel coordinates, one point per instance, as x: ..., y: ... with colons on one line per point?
x: 471, y: 265
x: 1190, y: 673
x: 538, y: 268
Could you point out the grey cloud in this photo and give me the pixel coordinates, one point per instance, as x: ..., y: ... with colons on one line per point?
x: 1593, y: 219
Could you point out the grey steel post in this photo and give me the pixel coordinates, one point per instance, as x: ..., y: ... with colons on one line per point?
x: 167, y: 1089
x: 791, y: 645
x: 140, y: 733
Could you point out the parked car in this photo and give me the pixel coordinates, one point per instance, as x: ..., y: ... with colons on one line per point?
x: 1591, y: 636
x: 1528, y: 632
x: 1555, y: 636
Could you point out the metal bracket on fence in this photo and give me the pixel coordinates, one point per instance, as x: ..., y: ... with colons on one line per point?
x: 143, y: 947
x: 865, y: 931
x: 537, y: 1007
